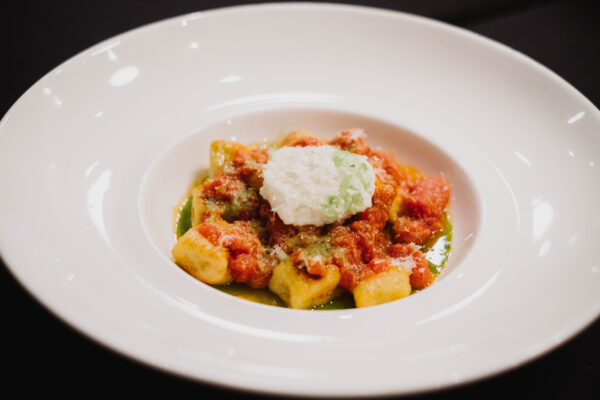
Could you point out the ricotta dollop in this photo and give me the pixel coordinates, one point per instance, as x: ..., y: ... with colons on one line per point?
x: 317, y: 185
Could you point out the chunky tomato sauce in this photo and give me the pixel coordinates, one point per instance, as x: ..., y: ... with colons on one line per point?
x: 408, y: 210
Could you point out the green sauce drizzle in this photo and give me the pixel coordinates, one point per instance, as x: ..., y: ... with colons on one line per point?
x: 341, y: 302
x: 184, y: 222
x: 239, y: 203
x: 263, y: 295
x: 437, y: 248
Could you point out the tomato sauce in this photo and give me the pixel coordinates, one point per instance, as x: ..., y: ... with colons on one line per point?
x: 407, y: 218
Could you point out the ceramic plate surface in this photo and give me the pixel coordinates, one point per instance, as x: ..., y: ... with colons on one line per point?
x: 95, y: 155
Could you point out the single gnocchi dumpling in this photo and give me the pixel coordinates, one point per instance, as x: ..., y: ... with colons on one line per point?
x: 201, y: 259
x: 301, y: 290
x: 386, y: 286
x: 221, y: 154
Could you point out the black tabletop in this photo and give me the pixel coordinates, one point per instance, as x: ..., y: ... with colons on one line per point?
x: 42, y: 352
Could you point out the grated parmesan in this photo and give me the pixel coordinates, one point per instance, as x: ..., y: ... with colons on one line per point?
x: 405, y: 263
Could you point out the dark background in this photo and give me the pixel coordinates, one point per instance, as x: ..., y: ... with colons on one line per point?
x: 42, y: 353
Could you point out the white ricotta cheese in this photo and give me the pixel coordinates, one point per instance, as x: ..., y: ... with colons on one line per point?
x: 317, y: 185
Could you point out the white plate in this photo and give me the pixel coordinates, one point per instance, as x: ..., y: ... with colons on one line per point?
x: 95, y: 154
